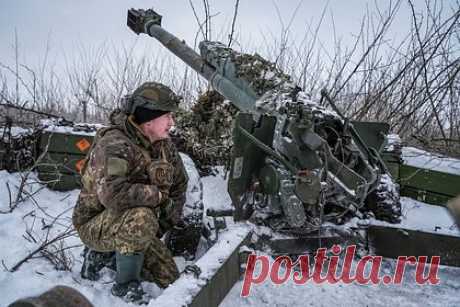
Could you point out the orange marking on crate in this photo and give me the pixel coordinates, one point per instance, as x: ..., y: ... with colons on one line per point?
x: 83, y: 145
x: 79, y: 165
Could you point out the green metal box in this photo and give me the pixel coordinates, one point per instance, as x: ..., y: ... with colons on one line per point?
x: 64, y: 153
x: 65, y: 142
x: 429, y: 186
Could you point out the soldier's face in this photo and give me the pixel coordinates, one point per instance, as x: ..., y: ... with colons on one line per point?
x: 158, y: 128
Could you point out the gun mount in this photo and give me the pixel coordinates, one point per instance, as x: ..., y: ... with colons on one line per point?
x: 295, y: 164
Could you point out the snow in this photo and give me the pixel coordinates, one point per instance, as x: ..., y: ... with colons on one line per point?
x: 68, y: 130
x: 17, y: 131
x: 194, y: 200
x: 424, y: 217
x: 55, y: 126
x: 416, y: 216
x: 55, y: 208
x: 38, y: 275
x: 215, y: 192
x: 426, y: 160
x: 34, y: 217
x: 310, y: 294
x: 393, y: 141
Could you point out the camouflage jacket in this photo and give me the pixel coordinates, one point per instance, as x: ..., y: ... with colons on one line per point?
x: 115, y: 177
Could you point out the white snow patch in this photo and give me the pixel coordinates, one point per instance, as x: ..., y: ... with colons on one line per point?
x: 424, y: 217
x: 393, y: 141
x: 17, y: 131
x: 215, y: 194
x: 194, y: 200
x: 426, y: 160
x: 54, y: 126
x: 310, y: 294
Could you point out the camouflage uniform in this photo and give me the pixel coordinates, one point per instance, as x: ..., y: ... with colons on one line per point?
x: 119, y: 209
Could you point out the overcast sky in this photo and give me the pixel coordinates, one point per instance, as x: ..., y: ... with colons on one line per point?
x: 65, y: 24
x: 69, y: 26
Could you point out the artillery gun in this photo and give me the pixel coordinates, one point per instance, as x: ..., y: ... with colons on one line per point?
x: 294, y: 163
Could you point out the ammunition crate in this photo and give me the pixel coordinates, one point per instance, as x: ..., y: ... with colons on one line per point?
x: 65, y: 153
x: 429, y: 186
x: 65, y: 143
x: 60, y: 182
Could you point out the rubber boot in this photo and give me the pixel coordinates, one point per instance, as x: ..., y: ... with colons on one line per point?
x: 128, y: 281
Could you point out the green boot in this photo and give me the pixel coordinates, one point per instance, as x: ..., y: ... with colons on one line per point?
x: 128, y: 281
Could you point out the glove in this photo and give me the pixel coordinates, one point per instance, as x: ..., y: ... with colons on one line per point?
x: 183, y: 241
x: 168, y: 218
x: 161, y: 174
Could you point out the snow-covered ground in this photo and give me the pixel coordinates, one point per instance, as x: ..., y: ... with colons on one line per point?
x: 23, y: 230
x: 42, y: 217
x: 416, y: 216
x: 409, y: 294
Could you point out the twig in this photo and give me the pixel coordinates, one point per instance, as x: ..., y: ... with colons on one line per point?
x: 4, y: 266
x: 200, y: 25
x: 233, y: 23
x: 10, y: 205
x: 46, y: 243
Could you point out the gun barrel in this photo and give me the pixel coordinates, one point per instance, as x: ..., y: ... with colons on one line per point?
x: 219, y: 82
x: 181, y: 50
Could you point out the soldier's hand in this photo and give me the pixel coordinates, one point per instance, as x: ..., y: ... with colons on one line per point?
x: 161, y: 174
x: 168, y: 217
x: 167, y: 208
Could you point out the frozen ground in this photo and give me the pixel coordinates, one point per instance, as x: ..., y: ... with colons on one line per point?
x: 23, y: 230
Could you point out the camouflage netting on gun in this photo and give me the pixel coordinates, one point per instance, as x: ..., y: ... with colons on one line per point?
x: 204, y: 132
x: 261, y: 74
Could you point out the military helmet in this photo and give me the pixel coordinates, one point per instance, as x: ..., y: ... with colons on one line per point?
x: 153, y: 96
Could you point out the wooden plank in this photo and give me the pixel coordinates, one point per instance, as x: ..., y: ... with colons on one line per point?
x: 393, y: 242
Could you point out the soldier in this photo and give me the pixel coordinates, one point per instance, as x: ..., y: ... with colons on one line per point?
x: 134, y: 185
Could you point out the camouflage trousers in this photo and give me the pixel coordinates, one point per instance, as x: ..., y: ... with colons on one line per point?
x: 134, y: 230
